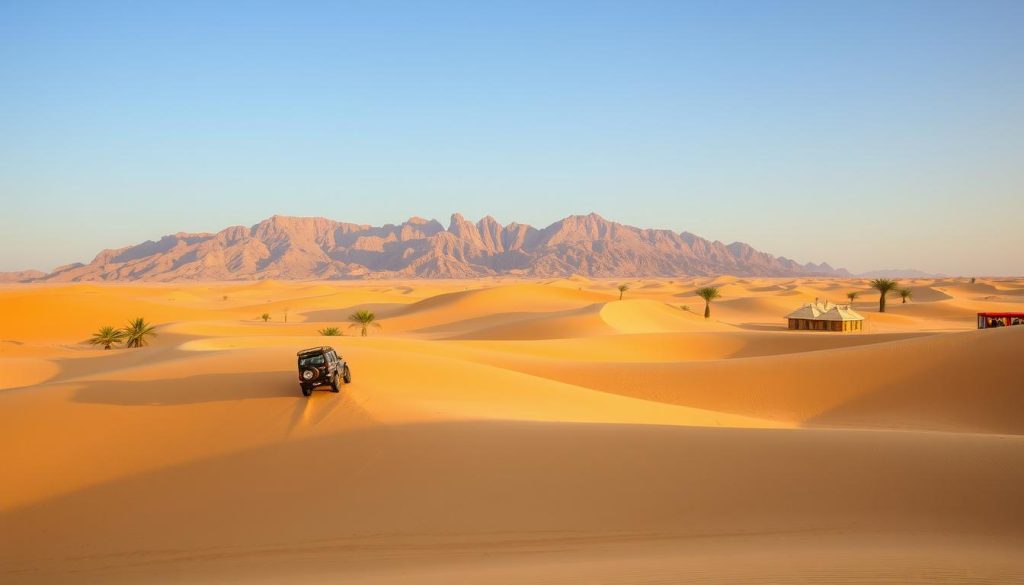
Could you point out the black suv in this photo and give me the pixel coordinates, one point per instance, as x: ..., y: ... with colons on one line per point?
x: 319, y: 366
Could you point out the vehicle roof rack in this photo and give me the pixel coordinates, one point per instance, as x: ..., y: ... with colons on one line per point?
x: 314, y: 349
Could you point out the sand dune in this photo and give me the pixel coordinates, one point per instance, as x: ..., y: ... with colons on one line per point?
x: 26, y: 371
x: 459, y: 313
x: 577, y: 323
x: 962, y: 386
x: 507, y: 432
x: 644, y: 316
x: 715, y: 344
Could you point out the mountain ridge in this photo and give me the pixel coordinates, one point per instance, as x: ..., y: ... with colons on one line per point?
x: 287, y: 247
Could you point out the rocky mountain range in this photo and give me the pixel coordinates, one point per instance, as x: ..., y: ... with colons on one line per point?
x: 317, y: 248
x: 21, y: 276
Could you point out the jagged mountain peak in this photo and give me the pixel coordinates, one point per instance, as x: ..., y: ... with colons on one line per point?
x: 320, y: 248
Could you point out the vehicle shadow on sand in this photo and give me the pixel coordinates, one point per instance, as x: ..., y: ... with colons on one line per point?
x: 218, y: 387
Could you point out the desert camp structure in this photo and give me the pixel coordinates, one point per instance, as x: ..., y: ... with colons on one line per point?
x: 990, y: 320
x: 825, y: 316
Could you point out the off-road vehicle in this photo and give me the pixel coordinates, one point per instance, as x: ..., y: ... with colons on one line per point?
x: 322, y: 366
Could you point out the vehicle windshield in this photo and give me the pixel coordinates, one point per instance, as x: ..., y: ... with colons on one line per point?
x: 312, y: 360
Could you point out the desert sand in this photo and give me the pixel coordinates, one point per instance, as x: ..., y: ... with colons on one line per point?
x: 504, y: 431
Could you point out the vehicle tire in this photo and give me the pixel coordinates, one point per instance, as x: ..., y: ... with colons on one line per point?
x: 347, y: 375
x: 306, y: 390
x: 334, y: 383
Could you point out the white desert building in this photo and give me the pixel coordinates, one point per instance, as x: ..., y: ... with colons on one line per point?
x: 825, y: 316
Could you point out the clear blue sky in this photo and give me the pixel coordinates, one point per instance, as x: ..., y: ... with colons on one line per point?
x: 870, y: 135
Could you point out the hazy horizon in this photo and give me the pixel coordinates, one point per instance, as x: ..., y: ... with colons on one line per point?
x: 869, y: 136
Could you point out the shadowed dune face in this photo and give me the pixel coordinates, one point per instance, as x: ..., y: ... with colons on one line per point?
x: 501, y: 431
x: 510, y: 481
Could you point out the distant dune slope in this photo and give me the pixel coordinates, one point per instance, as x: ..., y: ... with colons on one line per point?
x: 958, y: 382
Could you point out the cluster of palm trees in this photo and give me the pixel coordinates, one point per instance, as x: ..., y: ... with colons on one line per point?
x: 363, y: 319
x: 884, y: 286
x: 135, y: 334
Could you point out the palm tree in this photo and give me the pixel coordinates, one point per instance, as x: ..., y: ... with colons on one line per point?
x: 905, y: 293
x: 137, y: 331
x: 330, y: 331
x: 363, y: 319
x: 883, y: 286
x: 852, y: 295
x: 708, y: 293
x: 622, y: 290
x: 265, y: 317
x: 107, y: 336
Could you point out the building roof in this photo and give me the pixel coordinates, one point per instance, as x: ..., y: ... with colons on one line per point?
x: 825, y: 311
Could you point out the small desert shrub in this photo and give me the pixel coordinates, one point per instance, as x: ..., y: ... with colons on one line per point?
x: 708, y: 293
x: 905, y: 293
x: 107, y: 336
x: 330, y: 331
x: 137, y: 332
x: 364, y: 320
